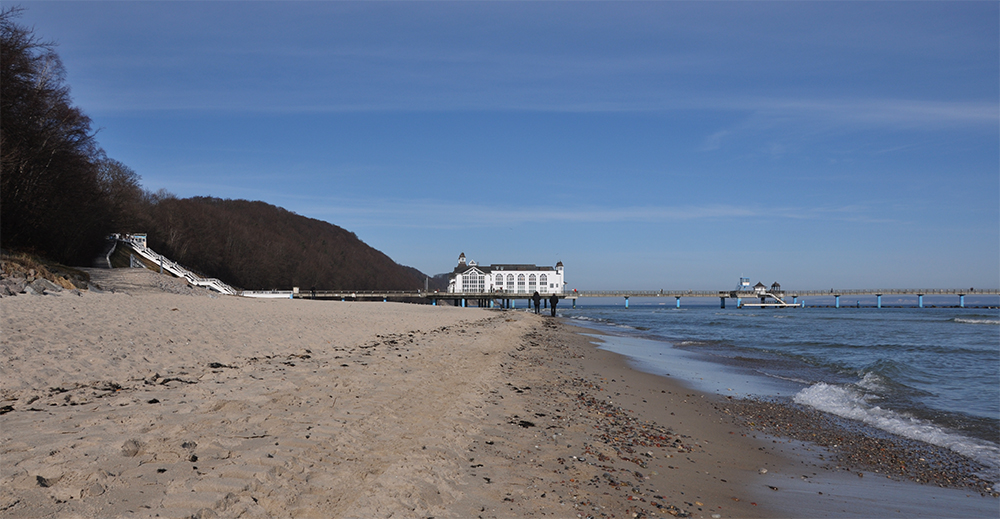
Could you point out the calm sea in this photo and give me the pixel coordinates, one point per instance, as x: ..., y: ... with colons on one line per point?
x: 930, y: 374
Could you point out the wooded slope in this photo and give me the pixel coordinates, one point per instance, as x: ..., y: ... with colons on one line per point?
x: 255, y: 245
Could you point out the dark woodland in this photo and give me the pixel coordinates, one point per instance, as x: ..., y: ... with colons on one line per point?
x: 254, y: 245
x: 53, y: 200
x: 60, y: 196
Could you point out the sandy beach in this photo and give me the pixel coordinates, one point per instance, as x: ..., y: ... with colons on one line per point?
x: 154, y: 399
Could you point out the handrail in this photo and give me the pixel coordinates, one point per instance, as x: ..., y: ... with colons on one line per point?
x: 647, y: 293
x: 107, y: 257
x: 895, y: 291
x: 784, y: 292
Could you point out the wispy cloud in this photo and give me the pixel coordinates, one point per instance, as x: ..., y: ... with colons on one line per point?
x: 714, y: 141
x: 777, y: 127
x: 367, y: 76
x: 880, y: 111
x: 448, y: 215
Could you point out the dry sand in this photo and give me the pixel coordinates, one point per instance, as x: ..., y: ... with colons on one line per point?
x: 153, y: 399
x: 158, y: 400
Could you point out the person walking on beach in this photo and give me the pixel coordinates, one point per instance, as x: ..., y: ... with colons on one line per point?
x: 553, y: 301
x: 537, y: 299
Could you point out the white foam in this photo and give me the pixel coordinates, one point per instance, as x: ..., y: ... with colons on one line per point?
x: 872, y: 382
x: 849, y: 403
x: 977, y: 321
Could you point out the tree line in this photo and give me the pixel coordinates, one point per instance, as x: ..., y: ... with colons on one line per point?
x: 60, y: 193
x: 61, y: 196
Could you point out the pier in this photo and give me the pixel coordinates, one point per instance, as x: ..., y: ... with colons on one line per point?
x: 748, y: 298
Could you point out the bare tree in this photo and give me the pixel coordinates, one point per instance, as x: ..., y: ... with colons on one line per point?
x: 51, y: 201
x: 122, y: 193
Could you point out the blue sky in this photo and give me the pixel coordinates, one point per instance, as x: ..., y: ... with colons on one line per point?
x: 673, y: 145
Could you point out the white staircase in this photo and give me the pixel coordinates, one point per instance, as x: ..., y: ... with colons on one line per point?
x: 138, y: 244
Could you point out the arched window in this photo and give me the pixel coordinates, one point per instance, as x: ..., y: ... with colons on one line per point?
x: 543, y: 281
x: 520, y: 282
x: 499, y: 282
x: 532, y: 285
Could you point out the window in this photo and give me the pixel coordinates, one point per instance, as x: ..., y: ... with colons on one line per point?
x: 532, y: 285
x: 499, y: 282
x: 543, y: 280
x: 520, y: 283
x: 473, y: 282
x: 510, y: 282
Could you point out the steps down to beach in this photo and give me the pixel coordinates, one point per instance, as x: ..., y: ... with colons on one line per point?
x: 136, y: 245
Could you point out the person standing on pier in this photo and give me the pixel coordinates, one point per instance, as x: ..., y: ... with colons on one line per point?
x: 537, y: 299
x: 553, y: 301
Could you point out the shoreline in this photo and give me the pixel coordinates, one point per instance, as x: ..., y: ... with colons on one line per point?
x: 824, y: 460
x: 154, y: 399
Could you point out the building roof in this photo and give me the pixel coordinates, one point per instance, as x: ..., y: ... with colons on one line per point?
x: 464, y: 267
x: 518, y: 267
x: 488, y: 269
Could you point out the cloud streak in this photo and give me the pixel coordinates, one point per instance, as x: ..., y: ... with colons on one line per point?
x: 362, y: 73
x: 447, y: 215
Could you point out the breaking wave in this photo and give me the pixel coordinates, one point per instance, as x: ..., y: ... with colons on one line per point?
x: 850, y: 403
x: 965, y: 320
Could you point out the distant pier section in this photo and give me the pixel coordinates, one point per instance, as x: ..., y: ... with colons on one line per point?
x: 793, y: 296
x: 761, y: 295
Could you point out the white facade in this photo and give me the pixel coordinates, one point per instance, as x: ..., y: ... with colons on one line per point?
x: 511, y: 279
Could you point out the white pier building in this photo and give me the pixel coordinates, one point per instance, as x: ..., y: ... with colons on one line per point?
x: 471, y: 278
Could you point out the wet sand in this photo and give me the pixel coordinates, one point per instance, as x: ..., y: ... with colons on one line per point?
x: 158, y: 400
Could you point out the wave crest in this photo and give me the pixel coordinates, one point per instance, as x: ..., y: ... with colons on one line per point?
x: 965, y: 320
x: 849, y: 403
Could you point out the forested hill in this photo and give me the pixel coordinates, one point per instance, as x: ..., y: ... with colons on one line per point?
x: 255, y: 245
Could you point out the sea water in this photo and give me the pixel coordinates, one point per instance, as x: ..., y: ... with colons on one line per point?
x: 929, y: 374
